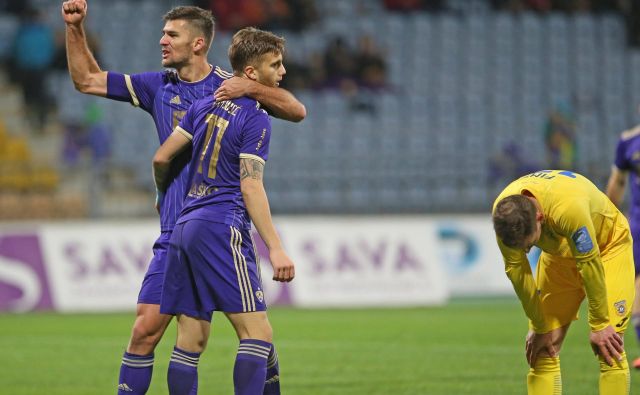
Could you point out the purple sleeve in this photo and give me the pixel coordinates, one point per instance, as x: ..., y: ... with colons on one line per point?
x: 256, y: 135
x: 137, y: 89
x: 621, y: 161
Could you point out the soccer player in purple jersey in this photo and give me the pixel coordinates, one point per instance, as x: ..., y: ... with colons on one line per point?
x: 186, y: 38
x: 212, y: 265
x: 627, y: 167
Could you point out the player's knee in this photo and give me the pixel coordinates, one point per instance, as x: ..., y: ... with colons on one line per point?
x: 146, y: 336
x: 260, y: 330
x: 617, y: 367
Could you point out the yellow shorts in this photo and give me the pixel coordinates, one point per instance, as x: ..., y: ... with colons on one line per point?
x: 561, y: 288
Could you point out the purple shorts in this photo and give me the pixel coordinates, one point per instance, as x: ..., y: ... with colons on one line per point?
x: 151, y: 289
x: 211, y: 267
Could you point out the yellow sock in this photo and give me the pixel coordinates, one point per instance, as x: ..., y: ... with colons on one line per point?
x: 544, y: 378
x: 615, y: 380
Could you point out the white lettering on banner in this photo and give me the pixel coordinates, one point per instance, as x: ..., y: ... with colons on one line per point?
x: 111, y: 260
x: 21, y: 276
x: 97, y: 266
x: 361, y: 257
x: 363, y: 261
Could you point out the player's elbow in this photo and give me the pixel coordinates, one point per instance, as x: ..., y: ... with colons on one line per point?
x: 160, y: 160
x: 91, y: 84
x: 299, y: 114
x: 82, y: 86
x: 250, y: 188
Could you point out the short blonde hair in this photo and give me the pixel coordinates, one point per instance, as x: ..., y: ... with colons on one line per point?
x: 249, y: 44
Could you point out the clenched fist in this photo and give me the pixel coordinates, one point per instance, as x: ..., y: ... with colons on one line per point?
x: 74, y: 11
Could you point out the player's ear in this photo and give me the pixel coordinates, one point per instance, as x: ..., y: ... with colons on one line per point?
x: 251, y: 72
x: 198, y: 44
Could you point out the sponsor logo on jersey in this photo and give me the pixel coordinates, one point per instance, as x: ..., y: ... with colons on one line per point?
x: 175, y: 100
x: 582, y: 240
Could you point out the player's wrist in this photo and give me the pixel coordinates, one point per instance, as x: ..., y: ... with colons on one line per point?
x: 75, y: 26
x: 159, y: 196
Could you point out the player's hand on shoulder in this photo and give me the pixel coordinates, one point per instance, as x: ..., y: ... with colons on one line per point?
x: 283, y: 267
x: 232, y: 88
x: 74, y: 11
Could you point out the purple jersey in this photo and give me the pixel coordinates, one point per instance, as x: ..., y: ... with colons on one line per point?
x: 628, y: 159
x: 167, y: 98
x: 222, y: 133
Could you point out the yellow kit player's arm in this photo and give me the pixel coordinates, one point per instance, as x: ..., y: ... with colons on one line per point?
x: 519, y: 272
x: 577, y: 226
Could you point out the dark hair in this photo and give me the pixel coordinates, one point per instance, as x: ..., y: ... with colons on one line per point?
x: 514, y: 219
x: 199, y: 18
x: 249, y: 44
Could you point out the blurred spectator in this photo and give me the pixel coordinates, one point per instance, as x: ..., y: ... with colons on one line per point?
x: 371, y: 68
x: 234, y: 15
x: 303, y: 14
x: 510, y: 163
x: 32, y: 56
x: 293, y: 15
x: 14, y: 7
x: 558, y: 5
x: 560, y: 139
x: 404, y: 5
x: 98, y: 135
x: 87, y: 140
x: 339, y: 62
x: 631, y: 11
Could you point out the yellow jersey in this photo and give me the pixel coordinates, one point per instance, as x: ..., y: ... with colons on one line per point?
x: 579, y: 222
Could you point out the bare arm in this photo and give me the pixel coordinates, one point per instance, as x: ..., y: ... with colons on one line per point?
x: 255, y: 199
x: 84, y: 70
x: 172, y: 146
x: 616, y: 185
x: 280, y: 101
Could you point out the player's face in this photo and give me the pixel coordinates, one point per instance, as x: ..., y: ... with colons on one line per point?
x: 270, y: 69
x: 530, y: 241
x: 176, y: 44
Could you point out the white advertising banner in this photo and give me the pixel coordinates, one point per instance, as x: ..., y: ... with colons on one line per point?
x: 340, y: 262
x: 467, y: 250
x: 97, y: 266
x: 363, y: 261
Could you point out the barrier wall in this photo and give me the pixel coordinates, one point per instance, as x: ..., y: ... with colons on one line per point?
x: 340, y: 262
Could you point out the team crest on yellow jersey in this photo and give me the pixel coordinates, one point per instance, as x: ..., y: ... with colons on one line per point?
x: 621, y: 307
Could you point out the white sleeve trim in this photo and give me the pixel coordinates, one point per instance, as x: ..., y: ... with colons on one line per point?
x: 252, y: 157
x: 183, y: 132
x: 134, y: 97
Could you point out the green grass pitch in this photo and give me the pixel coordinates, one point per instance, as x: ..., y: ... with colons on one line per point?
x: 466, y: 347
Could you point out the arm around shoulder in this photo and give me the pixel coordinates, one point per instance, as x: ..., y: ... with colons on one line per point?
x: 282, y: 103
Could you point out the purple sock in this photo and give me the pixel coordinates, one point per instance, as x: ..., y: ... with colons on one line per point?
x: 135, y: 374
x: 183, y: 372
x: 194, y: 389
x: 272, y: 384
x: 250, y: 370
